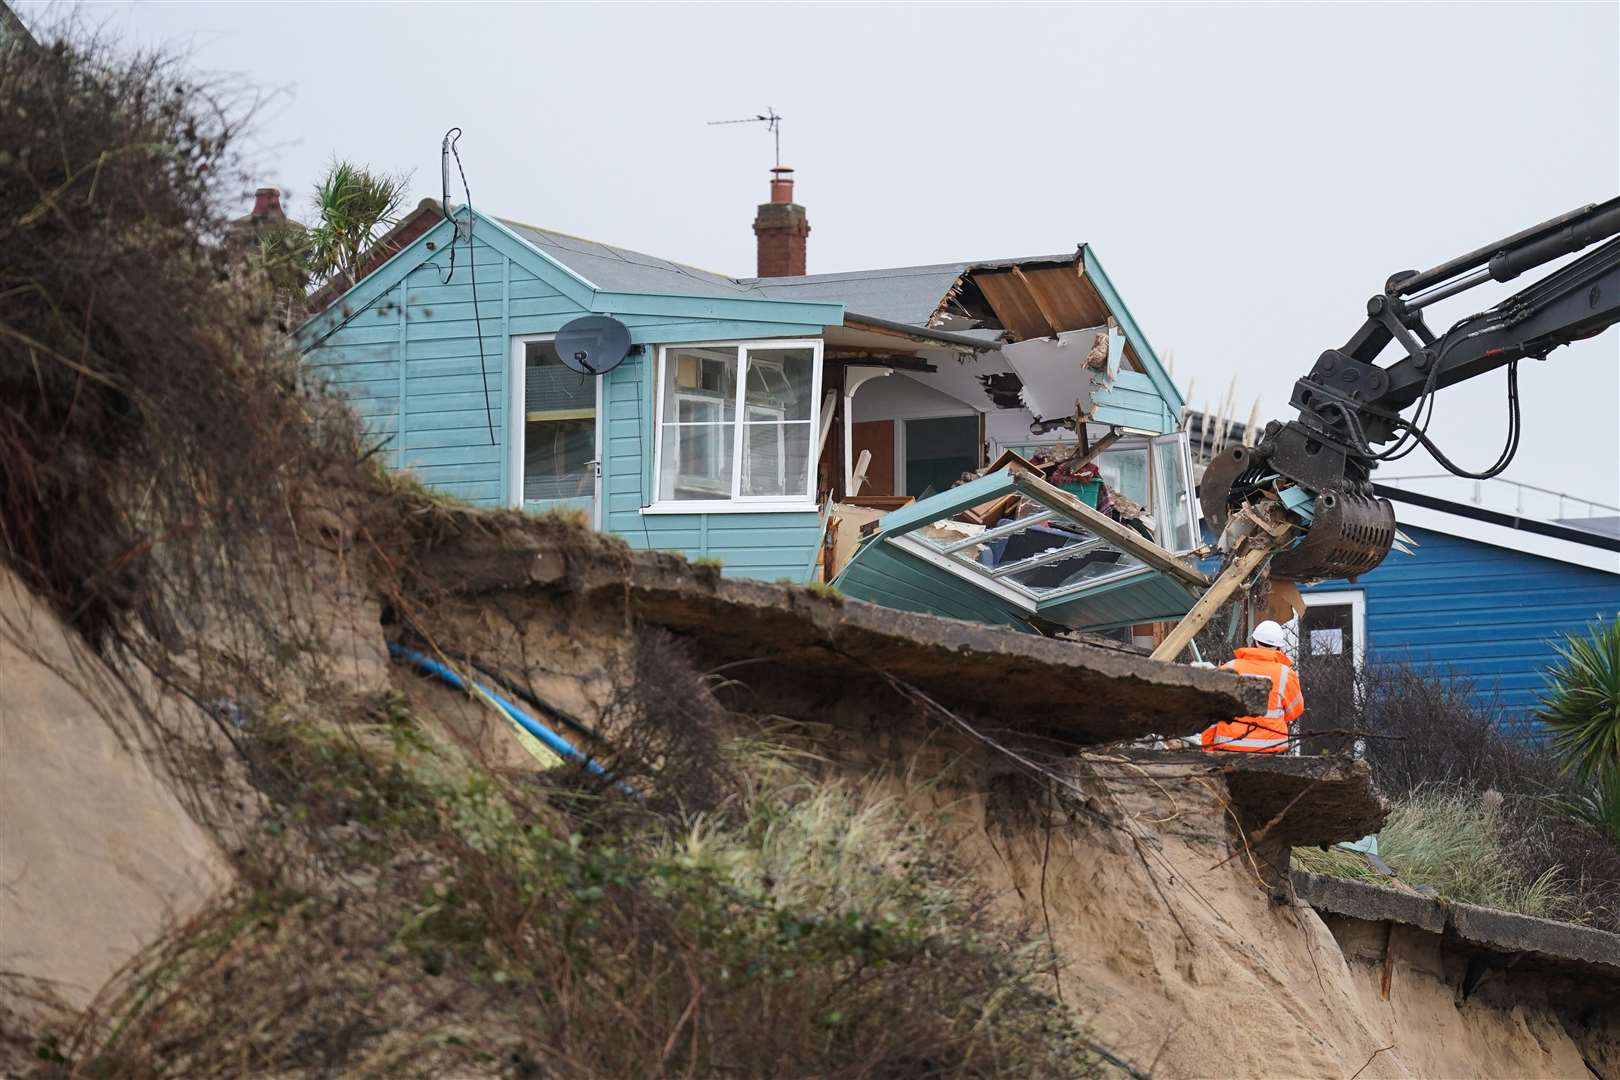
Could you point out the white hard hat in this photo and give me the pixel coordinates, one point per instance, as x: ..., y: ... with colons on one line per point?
x: 1269, y: 633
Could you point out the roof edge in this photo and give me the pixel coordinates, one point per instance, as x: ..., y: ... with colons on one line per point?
x: 921, y: 332
x: 1496, y: 517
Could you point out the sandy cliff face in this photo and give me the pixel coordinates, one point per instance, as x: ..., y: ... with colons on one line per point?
x: 1181, y: 960
x: 1175, y: 950
x: 97, y: 853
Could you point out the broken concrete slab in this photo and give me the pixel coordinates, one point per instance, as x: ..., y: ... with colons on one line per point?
x: 1527, y: 943
x: 1283, y: 801
x: 796, y: 639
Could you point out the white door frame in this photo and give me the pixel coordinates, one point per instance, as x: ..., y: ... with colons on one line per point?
x: 517, y: 409
x: 1357, y: 600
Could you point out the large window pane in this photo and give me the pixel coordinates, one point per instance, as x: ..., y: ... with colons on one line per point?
x: 699, y: 405
x: 782, y: 380
x: 705, y: 392
x: 699, y: 375
x: 1126, y: 471
x: 1175, y: 504
x: 697, y: 461
x: 776, y: 457
x: 557, y: 459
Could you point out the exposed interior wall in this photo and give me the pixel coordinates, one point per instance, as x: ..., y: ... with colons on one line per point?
x: 911, y: 405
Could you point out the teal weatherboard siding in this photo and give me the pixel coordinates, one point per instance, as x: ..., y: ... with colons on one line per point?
x: 1134, y: 402
x: 402, y: 347
x: 765, y: 546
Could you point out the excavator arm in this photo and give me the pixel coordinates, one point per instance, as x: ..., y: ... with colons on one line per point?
x: 1350, y: 409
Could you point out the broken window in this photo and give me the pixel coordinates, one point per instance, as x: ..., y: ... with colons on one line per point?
x: 737, y: 423
x: 1042, y: 555
x: 1066, y: 550
x: 1172, y: 464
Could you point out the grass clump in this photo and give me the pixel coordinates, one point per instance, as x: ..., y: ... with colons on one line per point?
x: 1453, y: 843
x: 1455, y: 768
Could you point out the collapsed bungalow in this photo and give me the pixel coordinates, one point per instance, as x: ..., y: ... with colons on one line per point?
x: 754, y: 416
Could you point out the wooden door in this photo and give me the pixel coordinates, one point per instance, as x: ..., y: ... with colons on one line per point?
x: 878, y: 437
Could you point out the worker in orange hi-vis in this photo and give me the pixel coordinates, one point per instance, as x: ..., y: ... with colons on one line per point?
x: 1266, y: 734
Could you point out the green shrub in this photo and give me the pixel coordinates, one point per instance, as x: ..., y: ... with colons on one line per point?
x: 408, y: 912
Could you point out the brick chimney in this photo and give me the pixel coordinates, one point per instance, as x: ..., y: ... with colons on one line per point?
x: 781, y: 227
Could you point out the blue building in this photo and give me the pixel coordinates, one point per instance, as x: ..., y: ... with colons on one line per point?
x: 747, y: 407
x: 1485, y: 596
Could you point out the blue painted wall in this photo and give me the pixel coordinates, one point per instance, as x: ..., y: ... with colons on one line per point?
x: 1480, y: 611
x: 403, y: 348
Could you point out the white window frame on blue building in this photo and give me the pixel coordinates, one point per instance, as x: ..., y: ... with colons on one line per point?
x: 518, y: 426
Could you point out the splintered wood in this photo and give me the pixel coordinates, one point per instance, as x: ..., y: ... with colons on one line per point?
x: 1267, y: 538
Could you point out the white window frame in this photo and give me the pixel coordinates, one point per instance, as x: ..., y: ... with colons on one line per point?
x: 737, y: 503
x: 715, y: 403
x: 1356, y: 599
x: 517, y: 412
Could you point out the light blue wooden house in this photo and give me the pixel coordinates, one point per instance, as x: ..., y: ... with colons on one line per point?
x: 745, y: 405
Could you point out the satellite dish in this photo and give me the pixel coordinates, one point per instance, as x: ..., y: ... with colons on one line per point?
x: 593, y: 344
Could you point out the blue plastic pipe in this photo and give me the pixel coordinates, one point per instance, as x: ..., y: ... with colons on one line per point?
x: 556, y: 742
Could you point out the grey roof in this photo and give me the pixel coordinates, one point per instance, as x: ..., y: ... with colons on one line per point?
x: 1603, y: 526
x: 616, y: 269
x: 905, y: 294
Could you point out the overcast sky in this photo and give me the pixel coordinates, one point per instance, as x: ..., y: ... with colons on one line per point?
x: 1249, y: 175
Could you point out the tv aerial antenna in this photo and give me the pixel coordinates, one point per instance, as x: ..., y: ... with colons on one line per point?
x: 772, y: 121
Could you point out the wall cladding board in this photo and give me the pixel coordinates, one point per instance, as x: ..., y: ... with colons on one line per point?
x: 409, y: 364
x: 1473, y: 611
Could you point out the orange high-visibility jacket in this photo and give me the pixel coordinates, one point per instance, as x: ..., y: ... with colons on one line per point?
x: 1266, y: 734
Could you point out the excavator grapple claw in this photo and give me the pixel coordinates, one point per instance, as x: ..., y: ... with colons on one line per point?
x: 1346, y: 533
x: 1348, y: 536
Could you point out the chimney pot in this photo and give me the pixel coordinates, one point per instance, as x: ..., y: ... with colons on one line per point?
x: 267, y: 205
x: 781, y: 184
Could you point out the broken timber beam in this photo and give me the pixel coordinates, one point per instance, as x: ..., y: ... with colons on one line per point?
x: 1110, y: 530
x: 1096, y: 448
x: 1229, y: 582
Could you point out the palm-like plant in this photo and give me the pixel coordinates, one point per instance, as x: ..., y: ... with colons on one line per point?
x: 1597, y: 806
x: 1581, y: 706
x: 354, y: 206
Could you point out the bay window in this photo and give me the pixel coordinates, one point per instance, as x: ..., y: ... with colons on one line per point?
x: 737, y: 425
